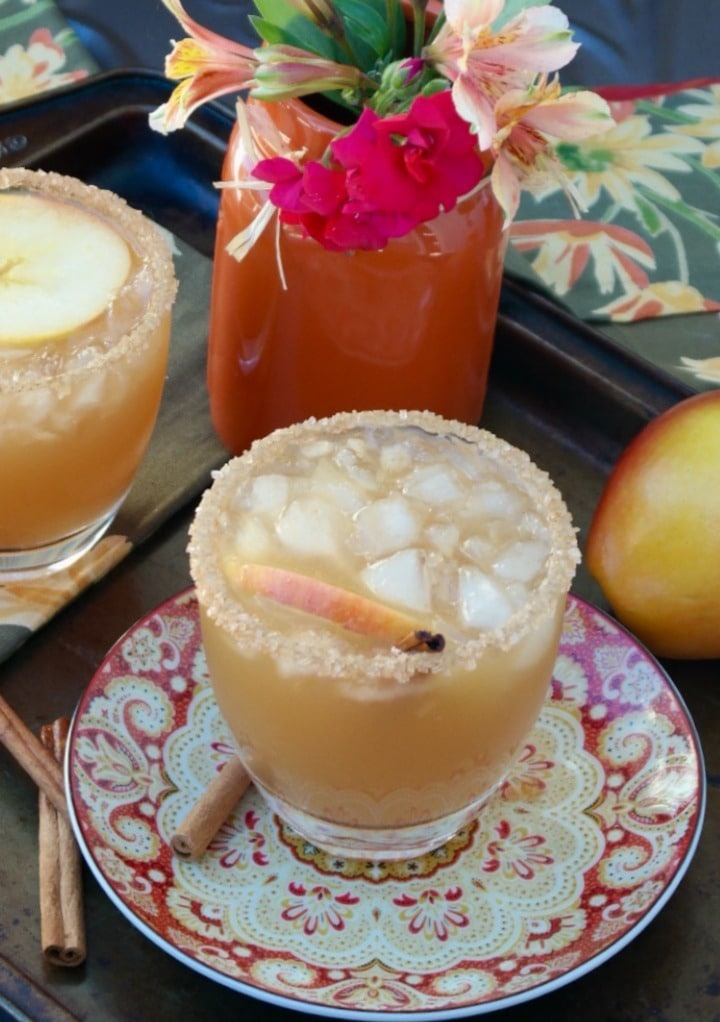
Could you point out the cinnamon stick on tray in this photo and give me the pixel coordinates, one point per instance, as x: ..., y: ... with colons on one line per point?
x: 205, y: 818
x: 62, y: 924
x: 32, y: 756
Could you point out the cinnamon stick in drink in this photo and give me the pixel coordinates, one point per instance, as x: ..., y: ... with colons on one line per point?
x: 207, y: 815
x: 62, y: 924
x: 421, y: 641
x: 32, y: 756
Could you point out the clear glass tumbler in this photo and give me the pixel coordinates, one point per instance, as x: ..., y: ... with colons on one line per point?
x: 86, y: 291
x: 381, y: 600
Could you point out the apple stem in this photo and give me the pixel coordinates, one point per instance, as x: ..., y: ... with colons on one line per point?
x: 422, y: 641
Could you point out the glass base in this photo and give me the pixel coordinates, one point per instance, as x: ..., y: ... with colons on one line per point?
x: 61, y: 553
x: 375, y: 843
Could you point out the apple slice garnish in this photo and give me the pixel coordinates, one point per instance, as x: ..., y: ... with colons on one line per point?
x: 60, y: 267
x: 350, y: 610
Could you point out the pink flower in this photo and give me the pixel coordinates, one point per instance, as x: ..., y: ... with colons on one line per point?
x: 416, y: 163
x: 315, y: 198
x: 382, y: 178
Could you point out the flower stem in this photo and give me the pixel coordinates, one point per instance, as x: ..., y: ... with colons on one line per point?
x: 391, y: 15
x: 418, y: 7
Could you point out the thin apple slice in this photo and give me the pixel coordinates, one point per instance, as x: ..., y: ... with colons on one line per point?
x: 60, y: 267
x: 350, y: 610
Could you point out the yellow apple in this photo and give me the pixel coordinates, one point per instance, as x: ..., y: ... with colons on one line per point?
x: 350, y: 610
x: 654, y: 540
x: 60, y: 267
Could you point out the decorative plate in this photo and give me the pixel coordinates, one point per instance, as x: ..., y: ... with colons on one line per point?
x: 578, y: 851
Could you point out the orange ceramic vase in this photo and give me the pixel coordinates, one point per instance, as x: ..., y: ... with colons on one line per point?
x: 410, y: 326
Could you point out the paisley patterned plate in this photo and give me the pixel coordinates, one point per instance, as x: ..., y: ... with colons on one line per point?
x: 580, y: 849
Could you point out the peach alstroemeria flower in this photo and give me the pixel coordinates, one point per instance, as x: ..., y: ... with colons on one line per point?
x: 284, y: 71
x: 482, y: 64
x: 524, y: 154
x: 249, y: 126
x: 208, y: 65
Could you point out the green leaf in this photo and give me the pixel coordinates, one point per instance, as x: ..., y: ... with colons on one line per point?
x: 367, y: 31
x: 323, y: 45
x: 266, y: 30
x: 394, y: 17
x: 282, y: 21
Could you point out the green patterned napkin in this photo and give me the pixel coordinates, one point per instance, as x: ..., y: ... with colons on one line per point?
x: 38, y: 50
x: 643, y: 261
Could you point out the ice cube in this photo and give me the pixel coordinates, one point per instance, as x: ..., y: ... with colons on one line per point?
x: 384, y: 526
x: 518, y: 594
x: 483, y: 604
x: 358, y: 445
x: 251, y: 539
x: 479, y: 549
x: 269, y: 493
x: 317, y: 449
x: 493, y: 500
x: 35, y: 407
x: 444, y: 537
x: 533, y: 525
x: 434, y: 484
x: 361, y: 477
x: 344, y: 496
x: 395, y: 459
x: 401, y: 578
x: 310, y: 525
x: 90, y: 393
x: 330, y: 482
x: 522, y: 561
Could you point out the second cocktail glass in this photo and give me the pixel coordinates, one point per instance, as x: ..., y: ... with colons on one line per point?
x: 86, y: 290
x: 381, y: 599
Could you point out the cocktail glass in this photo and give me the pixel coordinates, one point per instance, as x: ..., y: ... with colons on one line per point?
x: 381, y: 600
x: 86, y: 290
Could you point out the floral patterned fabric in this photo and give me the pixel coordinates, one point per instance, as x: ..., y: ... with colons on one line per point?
x: 38, y: 50
x: 648, y: 243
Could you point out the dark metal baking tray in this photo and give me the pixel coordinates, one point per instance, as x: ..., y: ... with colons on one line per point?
x: 558, y: 388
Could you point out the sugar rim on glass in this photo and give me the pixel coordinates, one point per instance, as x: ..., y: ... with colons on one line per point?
x: 145, y: 239
x: 316, y: 649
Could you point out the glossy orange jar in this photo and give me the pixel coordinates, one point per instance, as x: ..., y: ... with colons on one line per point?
x: 410, y: 326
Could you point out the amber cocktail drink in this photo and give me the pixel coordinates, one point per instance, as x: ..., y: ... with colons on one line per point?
x: 86, y: 290
x: 381, y: 599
